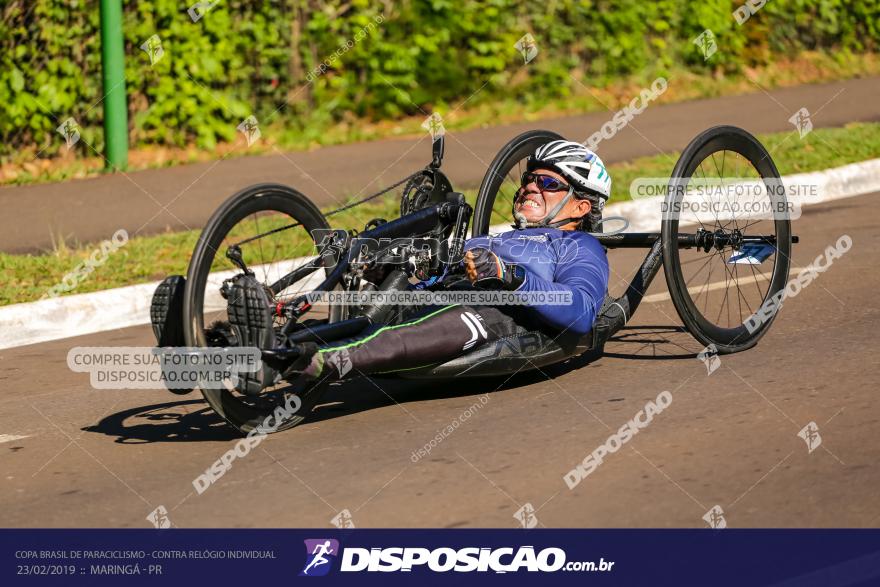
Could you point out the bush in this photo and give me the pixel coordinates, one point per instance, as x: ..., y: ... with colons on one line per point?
x: 379, y: 61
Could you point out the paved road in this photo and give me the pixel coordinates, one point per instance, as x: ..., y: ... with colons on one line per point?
x: 108, y: 458
x: 180, y: 197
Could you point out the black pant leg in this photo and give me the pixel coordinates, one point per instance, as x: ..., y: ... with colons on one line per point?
x: 433, y: 336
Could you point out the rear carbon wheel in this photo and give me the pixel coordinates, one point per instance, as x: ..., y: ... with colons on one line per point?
x: 726, y: 189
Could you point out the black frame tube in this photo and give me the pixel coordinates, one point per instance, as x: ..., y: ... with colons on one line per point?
x: 645, y: 240
x: 423, y: 221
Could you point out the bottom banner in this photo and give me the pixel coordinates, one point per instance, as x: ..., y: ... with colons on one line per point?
x: 364, y: 557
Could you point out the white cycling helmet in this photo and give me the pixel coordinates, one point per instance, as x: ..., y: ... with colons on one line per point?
x: 580, y: 166
x: 576, y: 163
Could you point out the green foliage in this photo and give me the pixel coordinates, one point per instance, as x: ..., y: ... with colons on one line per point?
x: 303, y: 64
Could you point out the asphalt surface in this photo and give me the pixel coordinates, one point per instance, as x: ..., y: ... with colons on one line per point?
x: 108, y: 458
x: 181, y: 197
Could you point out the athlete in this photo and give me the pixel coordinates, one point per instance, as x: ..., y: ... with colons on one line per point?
x: 562, y: 194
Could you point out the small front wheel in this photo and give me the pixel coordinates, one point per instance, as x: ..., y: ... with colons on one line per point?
x: 726, y: 192
x: 269, y: 226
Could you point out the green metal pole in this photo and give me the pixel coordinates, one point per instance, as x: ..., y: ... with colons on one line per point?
x: 115, y: 108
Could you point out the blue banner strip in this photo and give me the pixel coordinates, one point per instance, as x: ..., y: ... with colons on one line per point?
x: 831, y: 558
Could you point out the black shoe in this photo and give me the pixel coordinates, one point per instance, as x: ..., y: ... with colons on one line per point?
x: 166, y: 312
x: 250, y: 315
x: 166, y: 316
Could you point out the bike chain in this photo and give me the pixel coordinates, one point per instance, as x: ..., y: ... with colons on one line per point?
x: 338, y: 210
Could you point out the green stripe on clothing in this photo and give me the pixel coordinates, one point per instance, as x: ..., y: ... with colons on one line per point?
x: 385, y: 329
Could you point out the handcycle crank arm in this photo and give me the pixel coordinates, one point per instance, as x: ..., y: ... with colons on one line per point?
x: 462, y: 220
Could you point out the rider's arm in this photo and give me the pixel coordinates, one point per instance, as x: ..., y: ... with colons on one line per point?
x: 585, y: 276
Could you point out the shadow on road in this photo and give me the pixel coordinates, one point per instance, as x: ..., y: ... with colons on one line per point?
x: 193, y: 421
x: 363, y: 394
x: 167, y: 422
x: 653, y: 343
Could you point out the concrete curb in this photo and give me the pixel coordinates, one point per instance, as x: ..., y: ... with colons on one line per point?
x: 80, y: 314
x: 847, y: 181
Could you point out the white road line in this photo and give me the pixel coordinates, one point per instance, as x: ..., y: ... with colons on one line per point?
x: 10, y: 437
x: 661, y: 297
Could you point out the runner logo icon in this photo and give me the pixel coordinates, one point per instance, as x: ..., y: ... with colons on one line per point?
x: 320, y: 554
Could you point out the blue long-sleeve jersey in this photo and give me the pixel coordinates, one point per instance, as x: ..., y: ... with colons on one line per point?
x: 556, y: 261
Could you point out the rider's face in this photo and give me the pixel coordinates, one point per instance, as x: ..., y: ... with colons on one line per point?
x: 534, y: 204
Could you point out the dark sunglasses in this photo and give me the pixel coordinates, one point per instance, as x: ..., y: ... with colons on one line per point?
x: 545, y: 183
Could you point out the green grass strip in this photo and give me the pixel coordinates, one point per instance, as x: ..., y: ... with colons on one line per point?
x: 25, y: 278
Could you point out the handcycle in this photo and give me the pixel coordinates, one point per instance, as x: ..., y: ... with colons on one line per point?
x: 277, y: 234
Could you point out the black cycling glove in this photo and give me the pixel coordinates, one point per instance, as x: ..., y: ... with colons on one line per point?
x: 486, y: 270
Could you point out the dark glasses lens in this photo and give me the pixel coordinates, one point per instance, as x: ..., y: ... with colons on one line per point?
x: 544, y: 182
